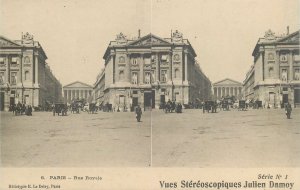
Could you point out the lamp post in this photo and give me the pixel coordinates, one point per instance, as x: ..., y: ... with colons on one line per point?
x: 173, y: 87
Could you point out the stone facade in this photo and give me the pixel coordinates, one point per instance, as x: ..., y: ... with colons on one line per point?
x: 274, y: 78
x: 227, y: 87
x: 25, y: 76
x: 77, y: 91
x: 149, y: 71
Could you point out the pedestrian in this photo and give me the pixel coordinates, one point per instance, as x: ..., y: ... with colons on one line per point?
x: 138, y: 113
x: 29, y: 110
x: 53, y: 109
x: 288, y: 110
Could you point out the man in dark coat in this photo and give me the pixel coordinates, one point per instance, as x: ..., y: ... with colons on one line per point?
x: 288, y: 110
x: 138, y: 113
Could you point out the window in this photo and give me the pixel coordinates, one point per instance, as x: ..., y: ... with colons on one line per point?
x: 26, y: 75
x: 283, y: 58
x: 26, y: 59
x: 297, y: 74
x: 1, y: 60
x: 121, y: 59
x: 271, y: 56
x: 121, y: 75
x: 14, y: 60
x: 163, y: 77
x: 134, y: 78
x: 13, y: 78
x: 153, y: 58
x: 296, y: 58
x: 271, y: 72
x: 153, y: 75
x: 176, y: 73
x: 134, y: 61
x: 164, y: 58
x: 284, y: 75
x: 2, y: 76
x: 147, y: 61
x: 147, y: 77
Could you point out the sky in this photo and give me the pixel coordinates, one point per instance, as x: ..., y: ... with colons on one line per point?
x: 75, y: 33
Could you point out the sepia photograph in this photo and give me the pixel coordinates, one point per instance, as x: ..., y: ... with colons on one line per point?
x: 149, y: 84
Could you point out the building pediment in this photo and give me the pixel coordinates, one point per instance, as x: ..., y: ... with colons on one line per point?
x: 78, y: 84
x: 227, y: 81
x: 292, y: 38
x: 149, y: 40
x: 4, y: 42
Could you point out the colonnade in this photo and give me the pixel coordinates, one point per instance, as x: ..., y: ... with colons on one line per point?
x: 220, y: 92
x: 71, y: 94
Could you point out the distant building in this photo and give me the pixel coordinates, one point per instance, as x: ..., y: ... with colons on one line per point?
x: 77, y: 91
x: 274, y: 78
x: 227, y: 87
x: 98, y: 89
x: 149, y: 71
x: 25, y: 76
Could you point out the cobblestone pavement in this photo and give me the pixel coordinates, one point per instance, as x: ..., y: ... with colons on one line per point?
x: 254, y: 138
x: 76, y: 140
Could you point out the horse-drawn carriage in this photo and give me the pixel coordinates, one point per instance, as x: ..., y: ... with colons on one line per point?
x: 209, y: 106
x: 92, y: 108
x: 60, y: 108
x: 225, y: 105
x: 242, y: 105
x: 170, y: 107
x: 75, y: 107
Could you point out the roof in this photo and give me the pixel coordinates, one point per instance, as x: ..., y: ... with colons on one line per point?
x: 77, y: 84
x: 148, y: 40
x: 7, y: 43
x: 292, y: 38
x: 227, y: 81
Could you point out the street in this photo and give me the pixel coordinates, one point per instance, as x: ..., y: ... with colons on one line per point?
x: 254, y: 138
x: 77, y: 140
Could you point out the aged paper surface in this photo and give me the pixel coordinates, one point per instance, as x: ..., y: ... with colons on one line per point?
x: 253, y: 149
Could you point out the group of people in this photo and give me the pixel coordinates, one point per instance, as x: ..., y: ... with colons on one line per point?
x: 171, y: 106
x: 20, y: 109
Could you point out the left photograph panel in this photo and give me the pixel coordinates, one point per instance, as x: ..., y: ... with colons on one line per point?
x: 74, y: 95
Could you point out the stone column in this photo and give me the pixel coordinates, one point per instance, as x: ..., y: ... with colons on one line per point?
x: 67, y: 96
x: 157, y: 67
x: 216, y: 92
x: 36, y: 68
x: 291, y: 65
x: 7, y: 80
x: 221, y: 94
x: 7, y: 77
x: 141, y: 64
x: 127, y: 69
x: 170, y: 77
x: 277, y: 62
x: 185, y: 66
x: 71, y: 95
x: 114, y: 68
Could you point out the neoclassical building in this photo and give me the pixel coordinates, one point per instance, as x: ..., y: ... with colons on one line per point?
x: 274, y: 78
x: 149, y: 71
x: 76, y: 91
x: 227, y: 87
x: 25, y: 76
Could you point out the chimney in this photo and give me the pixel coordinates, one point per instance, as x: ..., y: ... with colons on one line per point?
x: 139, y: 33
x: 287, y: 30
